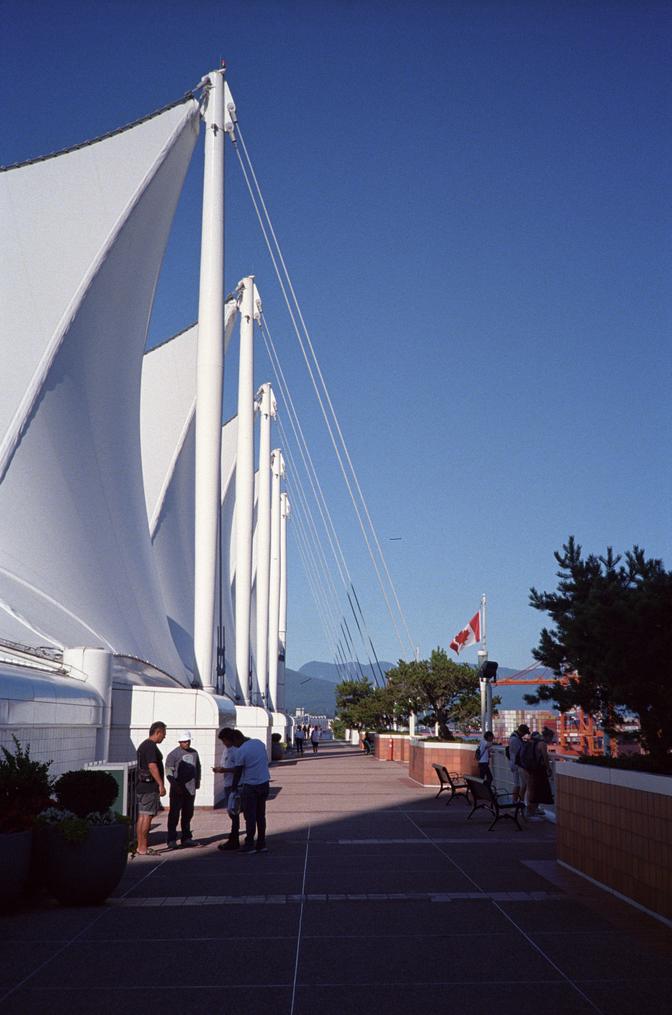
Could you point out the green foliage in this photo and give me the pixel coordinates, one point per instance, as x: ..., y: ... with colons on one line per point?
x: 25, y: 786
x: 611, y: 619
x: 360, y: 705
x: 447, y: 689
x: 86, y: 791
x: 338, y: 728
x: 632, y: 763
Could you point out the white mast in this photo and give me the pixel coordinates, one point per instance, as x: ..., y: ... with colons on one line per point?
x: 282, y: 613
x: 245, y: 485
x: 267, y: 409
x: 277, y: 470
x: 209, y: 378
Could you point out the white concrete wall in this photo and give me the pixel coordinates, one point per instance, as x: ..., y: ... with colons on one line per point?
x: 135, y: 708
x: 57, y: 716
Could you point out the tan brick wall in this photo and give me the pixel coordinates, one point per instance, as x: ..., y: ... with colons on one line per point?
x: 456, y: 759
x: 619, y: 836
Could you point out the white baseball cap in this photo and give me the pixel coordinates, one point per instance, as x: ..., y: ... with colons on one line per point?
x: 183, y: 735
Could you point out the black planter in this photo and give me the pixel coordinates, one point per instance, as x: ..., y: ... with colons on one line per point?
x: 15, y: 850
x: 83, y: 873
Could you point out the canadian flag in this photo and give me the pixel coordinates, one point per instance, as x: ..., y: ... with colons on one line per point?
x: 469, y: 635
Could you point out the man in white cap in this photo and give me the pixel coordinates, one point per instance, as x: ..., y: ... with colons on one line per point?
x: 183, y: 768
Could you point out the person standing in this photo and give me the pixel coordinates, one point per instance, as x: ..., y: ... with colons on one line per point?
x: 252, y: 775
x: 183, y: 768
x: 512, y: 752
x: 226, y: 768
x: 299, y: 737
x: 484, y: 754
x: 150, y: 785
x: 315, y: 735
x: 534, y: 757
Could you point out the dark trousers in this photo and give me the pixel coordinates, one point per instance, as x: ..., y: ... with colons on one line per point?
x: 254, y: 809
x: 235, y: 818
x: 299, y: 744
x: 314, y: 743
x: 181, y: 809
x: 485, y: 773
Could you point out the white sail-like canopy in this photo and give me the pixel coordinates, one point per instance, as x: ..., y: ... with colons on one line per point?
x: 168, y: 458
x: 82, y: 236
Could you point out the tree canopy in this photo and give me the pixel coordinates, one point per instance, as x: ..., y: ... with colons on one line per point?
x: 449, y: 689
x: 612, y: 639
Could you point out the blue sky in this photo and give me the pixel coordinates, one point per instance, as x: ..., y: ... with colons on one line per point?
x: 474, y: 202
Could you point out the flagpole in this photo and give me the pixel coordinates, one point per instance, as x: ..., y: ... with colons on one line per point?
x: 485, y: 685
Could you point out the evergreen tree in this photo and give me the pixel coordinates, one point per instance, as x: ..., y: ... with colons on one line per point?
x: 612, y: 639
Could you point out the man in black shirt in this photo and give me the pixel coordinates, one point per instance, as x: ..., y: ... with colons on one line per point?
x: 150, y: 784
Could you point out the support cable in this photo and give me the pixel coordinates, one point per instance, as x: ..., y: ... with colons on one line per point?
x: 319, y: 397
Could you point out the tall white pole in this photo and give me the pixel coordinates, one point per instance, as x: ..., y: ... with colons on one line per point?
x: 282, y: 613
x: 209, y: 381
x: 277, y: 469
x: 245, y: 485
x: 267, y: 410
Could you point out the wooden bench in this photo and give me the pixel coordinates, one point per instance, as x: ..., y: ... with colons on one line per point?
x: 501, y: 805
x: 451, y: 782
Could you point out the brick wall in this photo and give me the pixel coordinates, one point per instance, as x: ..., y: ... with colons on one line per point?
x: 616, y: 827
x: 457, y: 757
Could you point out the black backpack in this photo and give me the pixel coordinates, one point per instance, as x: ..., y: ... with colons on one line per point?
x: 529, y: 757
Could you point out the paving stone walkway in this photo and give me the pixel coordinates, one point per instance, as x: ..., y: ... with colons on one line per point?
x: 374, y: 896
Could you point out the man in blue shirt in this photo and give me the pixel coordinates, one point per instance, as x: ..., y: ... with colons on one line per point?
x: 252, y: 775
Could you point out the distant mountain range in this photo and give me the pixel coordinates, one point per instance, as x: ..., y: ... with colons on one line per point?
x: 312, y: 687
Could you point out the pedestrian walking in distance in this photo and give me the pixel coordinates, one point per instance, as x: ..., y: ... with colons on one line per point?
x: 315, y: 736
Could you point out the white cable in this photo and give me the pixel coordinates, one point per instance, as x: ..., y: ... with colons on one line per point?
x: 327, y: 395
x: 324, y: 414
x: 327, y: 521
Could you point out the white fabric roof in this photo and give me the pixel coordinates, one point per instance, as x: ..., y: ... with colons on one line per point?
x: 167, y: 407
x: 82, y: 237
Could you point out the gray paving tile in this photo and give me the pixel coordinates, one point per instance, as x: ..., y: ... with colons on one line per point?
x: 201, y: 964
x: 608, y: 955
x: 216, y: 922
x: 557, y: 916
x: 405, y: 960
x: 476, y: 998
x: 47, y: 923
x: 403, y: 918
x: 388, y: 881
x: 18, y: 959
x: 245, y: 1001
x: 630, y: 996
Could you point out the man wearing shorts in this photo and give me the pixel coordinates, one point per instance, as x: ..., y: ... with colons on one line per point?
x: 150, y: 785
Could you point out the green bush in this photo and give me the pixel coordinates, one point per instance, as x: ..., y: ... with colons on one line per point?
x: 631, y: 763
x: 25, y: 787
x: 86, y: 791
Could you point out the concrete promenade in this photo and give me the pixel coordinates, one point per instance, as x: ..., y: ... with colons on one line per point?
x: 374, y: 897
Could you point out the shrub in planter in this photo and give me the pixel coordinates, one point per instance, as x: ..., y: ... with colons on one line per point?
x: 25, y: 786
x: 82, y: 844
x: 635, y: 763
x: 86, y: 792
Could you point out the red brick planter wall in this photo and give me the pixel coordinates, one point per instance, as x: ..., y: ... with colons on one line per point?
x: 616, y: 827
x: 383, y: 747
x: 456, y: 757
x: 391, y: 748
